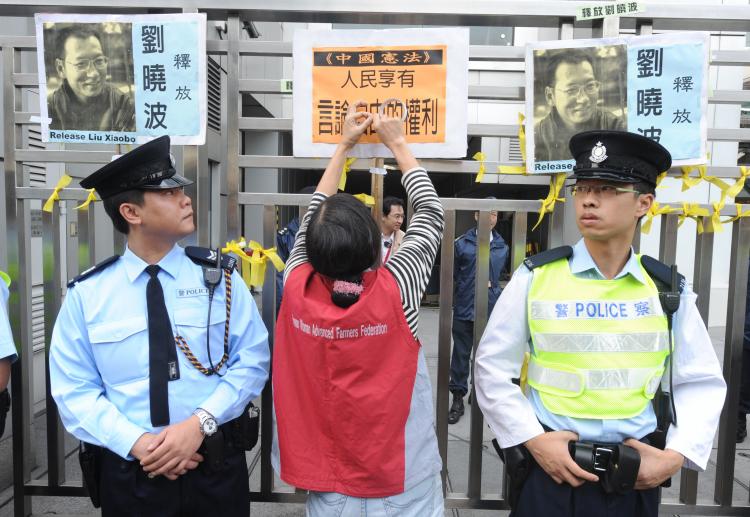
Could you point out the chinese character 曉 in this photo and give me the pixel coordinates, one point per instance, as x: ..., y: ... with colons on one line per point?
x: 154, y: 78
x: 156, y: 113
x: 152, y: 38
x: 649, y: 102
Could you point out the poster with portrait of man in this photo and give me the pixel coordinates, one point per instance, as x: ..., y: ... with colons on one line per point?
x: 113, y: 79
x: 652, y: 85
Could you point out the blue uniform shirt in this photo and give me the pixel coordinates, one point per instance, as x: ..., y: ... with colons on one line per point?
x: 99, y: 356
x: 7, y: 348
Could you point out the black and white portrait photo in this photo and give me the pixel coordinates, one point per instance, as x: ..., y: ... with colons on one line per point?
x: 89, y: 76
x: 575, y: 90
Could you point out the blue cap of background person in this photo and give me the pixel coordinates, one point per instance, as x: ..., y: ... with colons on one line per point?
x: 618, y: 156
x: 147, y: 167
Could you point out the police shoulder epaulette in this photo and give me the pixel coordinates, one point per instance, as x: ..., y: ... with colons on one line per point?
x: 207, y: 257
x: 104, y: 264
x: 661, y: 273
x: 546, y: 257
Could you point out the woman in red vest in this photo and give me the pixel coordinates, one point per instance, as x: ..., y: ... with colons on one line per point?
x: 352, y: 395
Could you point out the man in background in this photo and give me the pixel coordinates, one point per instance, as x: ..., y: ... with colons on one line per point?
x: 390, y: 226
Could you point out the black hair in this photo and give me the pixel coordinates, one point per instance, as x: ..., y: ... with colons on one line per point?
x: 388, y: 203
x: 112, y: 207
x: 572, y: 57
x: 342, y: 241
x: 644, y: 188
x: 78, y: 30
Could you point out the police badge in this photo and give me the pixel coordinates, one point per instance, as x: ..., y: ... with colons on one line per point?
x: 598, y: 154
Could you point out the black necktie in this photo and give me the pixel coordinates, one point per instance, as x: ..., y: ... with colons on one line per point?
x: 162, y: 355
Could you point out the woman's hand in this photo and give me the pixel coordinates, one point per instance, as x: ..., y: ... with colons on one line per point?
x: 355, y: 124
x: 390, y: 130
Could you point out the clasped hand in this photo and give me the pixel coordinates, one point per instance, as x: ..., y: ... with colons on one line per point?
x: 172, y: 452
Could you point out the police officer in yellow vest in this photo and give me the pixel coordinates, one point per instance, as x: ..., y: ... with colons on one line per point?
x: 607, y: 413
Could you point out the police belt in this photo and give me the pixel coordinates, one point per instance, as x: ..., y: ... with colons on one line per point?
x: 616, y: 464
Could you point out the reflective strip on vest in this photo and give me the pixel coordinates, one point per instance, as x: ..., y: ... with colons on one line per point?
x: 573, y: 343
x: 589, y: 309
x: 570, y: 382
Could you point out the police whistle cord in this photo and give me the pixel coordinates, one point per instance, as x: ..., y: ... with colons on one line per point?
x: 186, y: 348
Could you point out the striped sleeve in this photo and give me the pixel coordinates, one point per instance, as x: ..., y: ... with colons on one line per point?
x: 298, y: 256
x: 412, y: 264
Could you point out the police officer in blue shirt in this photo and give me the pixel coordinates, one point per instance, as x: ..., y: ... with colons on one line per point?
x: 7, y: 350
x: 464, y: 275
x: 155, y: 355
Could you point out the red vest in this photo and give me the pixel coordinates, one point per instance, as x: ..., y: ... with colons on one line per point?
x: 342, y: 386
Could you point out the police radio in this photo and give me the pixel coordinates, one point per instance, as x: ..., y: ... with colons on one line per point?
x: 211, y: 278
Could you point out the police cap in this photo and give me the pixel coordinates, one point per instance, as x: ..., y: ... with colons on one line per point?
x: 618, y: 156
x: 147, y: 167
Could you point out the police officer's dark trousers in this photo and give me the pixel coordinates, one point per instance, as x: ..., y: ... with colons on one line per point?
x: 542, y: 497
x: 126, y: 490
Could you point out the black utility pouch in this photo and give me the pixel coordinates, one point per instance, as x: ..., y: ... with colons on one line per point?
x: 4, y: 408
x: 213, y: 453
x: 90, y: 458
x: 518, y: 462
x: 245, y: 428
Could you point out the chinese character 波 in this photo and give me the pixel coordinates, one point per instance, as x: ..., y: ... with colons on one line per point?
x: 649, y: 62
x: 632, y: 6
x: 681, y: 117
x: 654, y: 133
x: 649, y: 102
x: 156, y: 113
x: 182, y: 61
x: 152, y: 38
x: 561, y: 310
x: 683, y: 83
x: 154, y: 78
x: 183, y: 94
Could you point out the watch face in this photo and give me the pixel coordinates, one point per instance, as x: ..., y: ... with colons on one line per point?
x: 210, y: 426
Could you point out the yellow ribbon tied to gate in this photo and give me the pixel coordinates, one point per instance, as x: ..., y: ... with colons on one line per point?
x: 660, y: 178
x: 737, y: 187
x: 90, y: 199
x: 366, y: 199
x: 61, y: 184
x: 238, y: 248
x: 693, y: 211
x: 344, y: 173
x: 740, y: 213
x: 480, y: 157
x: 687, y: 181
x: 258, y: 261
x: 656, y: 209
x: 714, y: 224
x: 548, y: 204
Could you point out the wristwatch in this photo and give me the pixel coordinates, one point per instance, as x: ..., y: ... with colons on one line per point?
x: 207, y: 422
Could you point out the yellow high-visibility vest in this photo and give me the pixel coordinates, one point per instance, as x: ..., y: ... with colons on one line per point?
x: 599, y: 346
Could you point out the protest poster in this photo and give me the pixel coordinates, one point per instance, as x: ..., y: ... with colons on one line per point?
x: 426, y: 69
x: 122, y: 79
x: 612, y: 84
